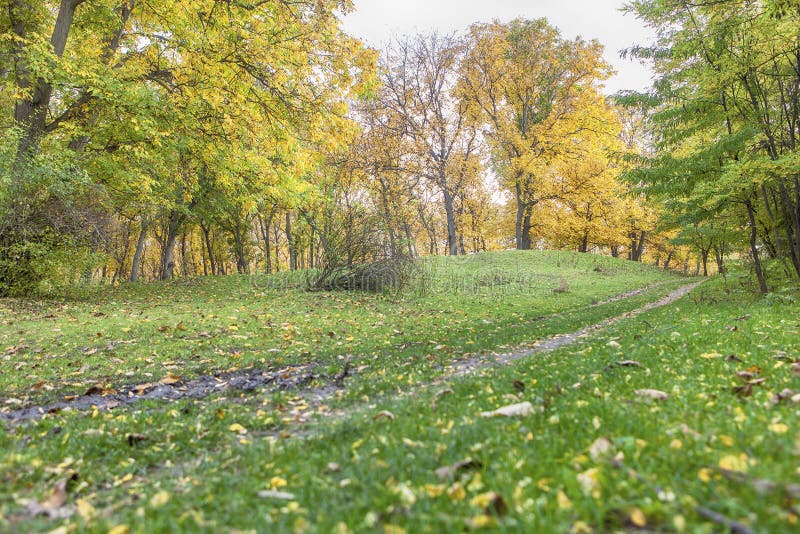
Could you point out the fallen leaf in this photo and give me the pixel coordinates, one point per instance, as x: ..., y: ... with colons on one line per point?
x: 653, y: 394
x: 135, y: 438
x: 170, y: 379
x: 637, y: 518
x: 786, y: 394
x: 384, y: 414
x: 522, y: 409
x: 274, y: 494
x: 450, y: 471
x: 589, y: 481
x: 492, y: 503
x: 732, y: 462
x: 54, y: 506
x: 601, y: 448
x: 85, y: 509
x: 140, y: 389
x: 239, y: 429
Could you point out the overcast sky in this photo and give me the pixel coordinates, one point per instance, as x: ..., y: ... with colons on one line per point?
x: 375, y: 21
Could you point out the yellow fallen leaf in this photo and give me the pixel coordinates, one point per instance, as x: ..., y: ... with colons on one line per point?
x: 704, y: 475
x: 456, y: 492
x: 732, y: 462
x: 778, y: 428
x: 563, y: 501
x: 434, y: 490
x: 85, y: 509
x: 159, y: 499
x: 236, y: 427
x: 638, y: 518
x: 481, y: 521
x: 119, y: 529
x: 277, y: 482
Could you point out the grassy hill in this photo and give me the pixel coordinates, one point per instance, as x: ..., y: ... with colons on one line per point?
x: 681, y: 418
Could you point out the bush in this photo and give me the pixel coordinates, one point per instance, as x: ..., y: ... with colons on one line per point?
x: 45, y: 266
x: 390, y: 274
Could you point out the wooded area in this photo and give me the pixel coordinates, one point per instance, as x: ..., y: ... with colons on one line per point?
x: 404, y: 371
x: 146, y: 140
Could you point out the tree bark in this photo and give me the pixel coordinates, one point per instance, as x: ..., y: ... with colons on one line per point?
x: 137, y: 256
x: 31, y: 113
x: 452, y: 238
x: 167, y: 268
x: 762, y: 282
x: 207, y: 239
x: 290, y: 243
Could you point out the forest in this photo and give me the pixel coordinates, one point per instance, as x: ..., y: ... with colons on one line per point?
x: 160, y: 139
x: 258, y: 276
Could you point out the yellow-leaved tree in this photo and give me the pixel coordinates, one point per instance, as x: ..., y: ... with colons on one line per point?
x: 536, y: 92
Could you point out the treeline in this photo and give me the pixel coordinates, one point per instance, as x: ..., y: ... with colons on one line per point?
x: 725, y: 114
x: 146, y: 140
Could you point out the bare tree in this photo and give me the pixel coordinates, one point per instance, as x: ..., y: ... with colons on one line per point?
x: 420, y: 75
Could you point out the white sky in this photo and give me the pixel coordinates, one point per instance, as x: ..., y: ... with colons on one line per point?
x: 376, y: 21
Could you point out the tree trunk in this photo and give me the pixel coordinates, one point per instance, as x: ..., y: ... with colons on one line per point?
x: 276, y: 234
x: 412, y: 251
x: 184, y: 263
x: 290, y: 243
x: 519, y: 217
x: 264, y: 225
x: 762, y: 282
x: 452, y: 238
x: 525, y: 242
x: 704, y: 257
x: 211, y: 258
x: 31, y: 113
x: 238, y: 239
x: 137, y: 256
x: 583, y: 246
x: 167, y: 268
x: 719, y: 257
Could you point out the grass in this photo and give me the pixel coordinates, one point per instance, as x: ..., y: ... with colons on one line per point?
x: 142, y: 333
x: 594, y: 455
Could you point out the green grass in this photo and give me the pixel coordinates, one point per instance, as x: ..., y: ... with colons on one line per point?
x: 141, y: 333
x: 348, y: 468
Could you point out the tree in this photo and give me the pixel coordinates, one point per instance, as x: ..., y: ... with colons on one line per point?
x: 420, y: 77
x: 728, y: 110
x: 535, y: 91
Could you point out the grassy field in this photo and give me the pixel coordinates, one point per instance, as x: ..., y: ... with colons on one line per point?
x: 658, y: 422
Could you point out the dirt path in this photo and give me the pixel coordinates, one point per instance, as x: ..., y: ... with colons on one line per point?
x: 299, y: 376
x: 466, y: 367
